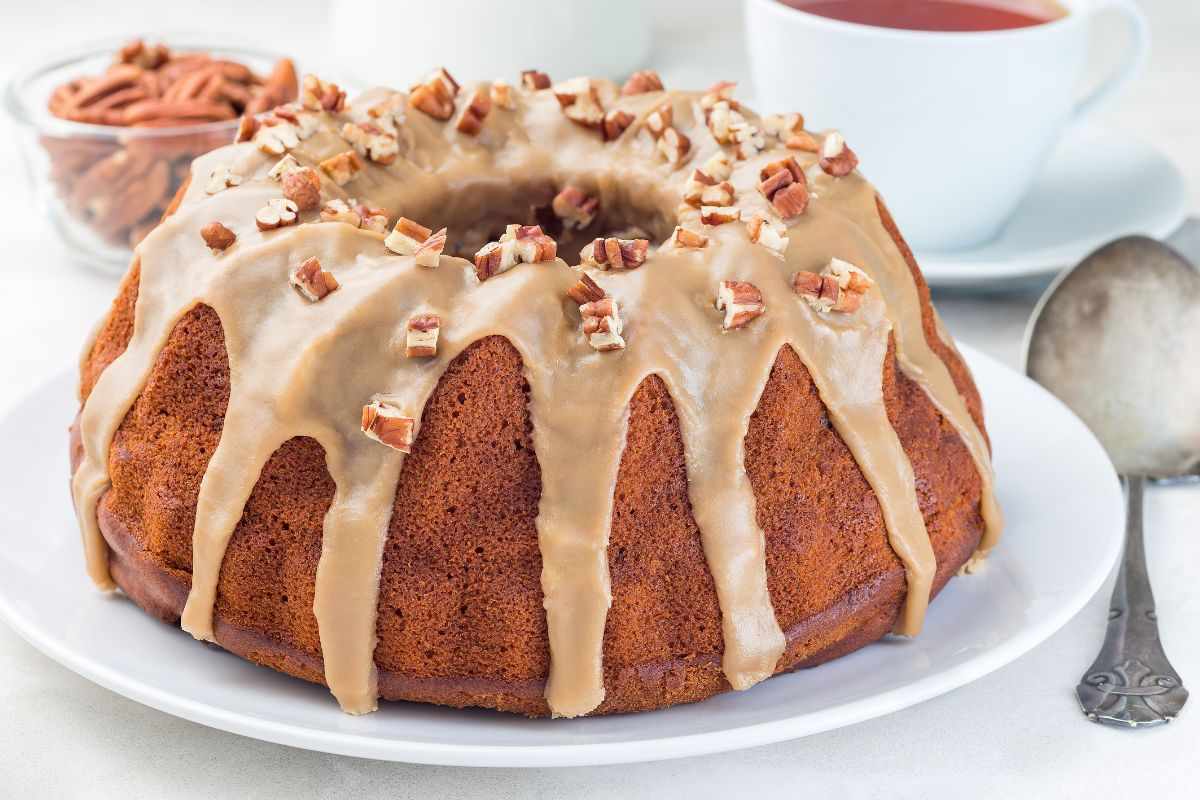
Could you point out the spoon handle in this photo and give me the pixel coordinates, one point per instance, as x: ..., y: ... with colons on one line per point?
x: 1131, y: 683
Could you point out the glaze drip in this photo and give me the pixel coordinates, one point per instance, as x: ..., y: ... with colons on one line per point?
x: 301, y: 368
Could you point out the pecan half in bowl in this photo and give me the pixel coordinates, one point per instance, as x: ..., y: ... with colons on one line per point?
x: 108, y: 132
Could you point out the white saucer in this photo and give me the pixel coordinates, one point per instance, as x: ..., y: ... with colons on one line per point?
x: 1059, y: 493
x: 1098, y: 185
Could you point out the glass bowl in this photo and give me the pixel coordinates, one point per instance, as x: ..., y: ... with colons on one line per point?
x: 103, y: 187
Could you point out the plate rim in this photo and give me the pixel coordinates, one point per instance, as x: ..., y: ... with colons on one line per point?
x: 591, y: 753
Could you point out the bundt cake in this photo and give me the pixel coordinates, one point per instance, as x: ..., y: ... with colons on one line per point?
x: 727, y: 439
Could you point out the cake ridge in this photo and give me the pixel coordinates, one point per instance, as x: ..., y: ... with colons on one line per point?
x: 668, y: 330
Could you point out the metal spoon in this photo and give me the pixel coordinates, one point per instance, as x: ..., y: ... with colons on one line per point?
x: 1117, y: 338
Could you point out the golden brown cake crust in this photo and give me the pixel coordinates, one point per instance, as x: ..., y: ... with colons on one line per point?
x: 460, y: 606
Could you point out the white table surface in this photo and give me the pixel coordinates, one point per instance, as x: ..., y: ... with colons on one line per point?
x: 1015, y: 733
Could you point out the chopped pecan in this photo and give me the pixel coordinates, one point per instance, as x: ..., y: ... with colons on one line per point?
x: 741, y: 301
x: 685, y: 237
x: 719, y: 215
x: 613, y: 253
x: 386, y: 424
x: 615, y: 123
x: 839, y: 287
x: 580, y: 101
x: 721, y: 118
x: 720, y: 92
x: 373, y: 219
x: 533, y: 245
x: 338, y: 210
x: 247, y: 126
x: 748, y: 139
x: 430, y: 251
x: 501, y: 94
x: 275, y: 140
x: 470, y: 121
x: 407, y: 237
x: 318, y: 95
x: 279, y: 212
x: 221, y: 179
x: 602, y: 324
x: 217, y: 236
x: 372, y: 141
x: 782, y: 126
x: 303, y: 187
x: 837, y: 159
x: 342, y: 168
x: 282, y: 167
x: 519, y: 244
x: 660, y: 119
x: 720, y: 194
x: 435, y: 96
x: 716, y: 170
x: 642, y: 81
x: 771, y: 235
x: 585, y: 290
x: 421, y: 339
x: 783, y: 184
x: 494, y: 258
x: 803, y: 141
x: 311, y: 281
x: 575, y: 207
x: 674, y: 146
x: 534, y: 80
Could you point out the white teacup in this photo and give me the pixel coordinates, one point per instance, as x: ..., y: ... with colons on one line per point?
x: 952, y: 127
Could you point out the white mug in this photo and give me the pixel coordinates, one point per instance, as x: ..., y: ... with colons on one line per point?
x: 952, y: 127
x: 384, y: 42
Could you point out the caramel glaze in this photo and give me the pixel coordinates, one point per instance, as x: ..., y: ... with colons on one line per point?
x: 300, y: 369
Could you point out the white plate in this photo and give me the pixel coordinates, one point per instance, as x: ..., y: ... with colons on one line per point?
x: 1060, y: 495
x: 1098, y: 185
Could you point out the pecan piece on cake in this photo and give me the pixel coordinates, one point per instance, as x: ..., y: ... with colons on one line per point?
x: 343, y: 167
x: 279, y: 212
x: 771, y: 235
x: 407, y: 237
x: 642, y: 81
x: 435, y: 96
x: 575, y: 207
x: 535, y: 80
x: 614, y: 253
x: 685, y: 237
x: 312, y: 281
x: 421, y: 336
x: 501, y: 95
x: 719, y: 215
x: 470, y: 121
x: 585, y: 290
x: 303, y: 187
x: 615, y: 123
x: 839, y: 287
x: 526, y: 244
x: 602, y: 324
x: 217, y: 236
x: 741, y: 301
x: 580, y: 102
x: 372, y: 141
x: 388, y: 425
x: 319, y: 95
x: 429, y: 252
x: 837, y: 159
x: 784, y: 184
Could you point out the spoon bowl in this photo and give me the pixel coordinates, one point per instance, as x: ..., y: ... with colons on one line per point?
x: 1117, y: 338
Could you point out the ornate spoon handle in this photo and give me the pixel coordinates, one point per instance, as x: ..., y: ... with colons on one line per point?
x: 1131, y: 683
